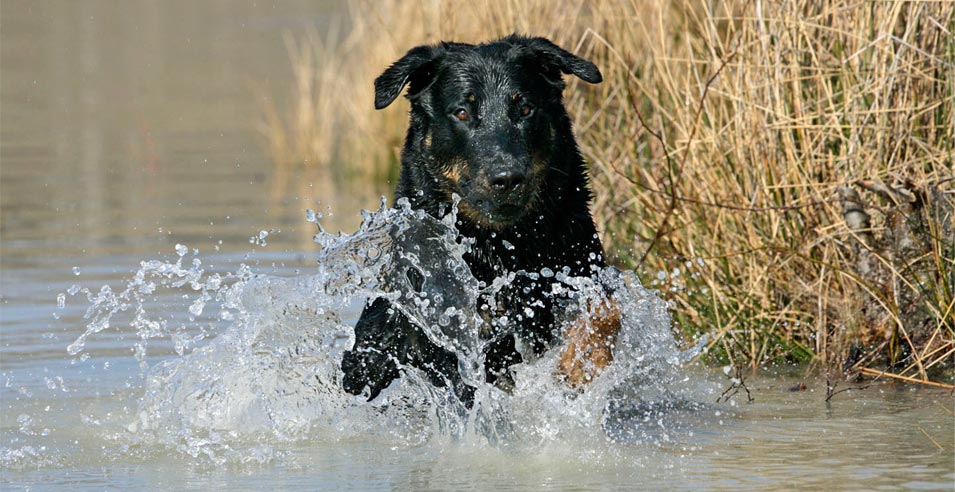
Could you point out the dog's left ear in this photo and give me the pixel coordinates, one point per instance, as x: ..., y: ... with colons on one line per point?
x: 563, y: 60
x: 418, y: 67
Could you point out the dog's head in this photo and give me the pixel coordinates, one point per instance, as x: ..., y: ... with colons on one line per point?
x: 486, y: 119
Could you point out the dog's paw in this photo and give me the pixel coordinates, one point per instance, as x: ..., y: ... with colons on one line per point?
x: 589, y: 346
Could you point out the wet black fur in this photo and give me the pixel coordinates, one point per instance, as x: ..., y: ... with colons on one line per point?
x: 524, y: 188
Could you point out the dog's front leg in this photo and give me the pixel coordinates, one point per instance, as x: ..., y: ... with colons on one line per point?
x: 385, y: 338
x: 589, y: 343
x: 371, y: 361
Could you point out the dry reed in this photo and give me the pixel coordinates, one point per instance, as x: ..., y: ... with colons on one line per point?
x: 781, y: 171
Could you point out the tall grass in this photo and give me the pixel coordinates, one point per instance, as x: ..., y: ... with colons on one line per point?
x: 781, y: 171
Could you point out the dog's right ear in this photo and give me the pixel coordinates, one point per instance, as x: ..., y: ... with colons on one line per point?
x: 418, y: 67
x: 561, y: 59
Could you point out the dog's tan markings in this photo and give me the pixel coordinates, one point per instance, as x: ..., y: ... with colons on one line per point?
x: 428, y: 139
x: 453, y: 170
x: 590, y: 342
x: 474, y: 214
x: 453, y: 173
x: 478, y: 217
x: 472, y: 98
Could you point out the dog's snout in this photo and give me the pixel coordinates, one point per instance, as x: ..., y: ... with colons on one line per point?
x: 507, y: 180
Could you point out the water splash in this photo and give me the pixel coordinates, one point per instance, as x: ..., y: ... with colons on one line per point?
x: 272, y: 373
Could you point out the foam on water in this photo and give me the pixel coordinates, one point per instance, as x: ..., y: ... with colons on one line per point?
x: 272, y: 374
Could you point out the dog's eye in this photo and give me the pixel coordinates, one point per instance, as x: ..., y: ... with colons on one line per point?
x: 461, y: 114
x: 526, y: 110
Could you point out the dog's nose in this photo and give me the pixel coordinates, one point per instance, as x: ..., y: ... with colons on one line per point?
x: 507, y: 180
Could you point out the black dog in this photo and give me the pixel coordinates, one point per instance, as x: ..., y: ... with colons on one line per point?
x: 488, y: 124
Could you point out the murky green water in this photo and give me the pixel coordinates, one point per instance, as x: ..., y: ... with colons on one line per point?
x: 127, y: 128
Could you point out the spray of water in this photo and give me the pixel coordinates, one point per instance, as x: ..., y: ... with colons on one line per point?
x: 272, y: 373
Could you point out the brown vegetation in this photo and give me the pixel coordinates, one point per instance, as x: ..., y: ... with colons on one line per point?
x: 782, y: 171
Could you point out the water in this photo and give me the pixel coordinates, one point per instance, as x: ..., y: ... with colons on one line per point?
x: 116, y: 163
x: 251, y: 390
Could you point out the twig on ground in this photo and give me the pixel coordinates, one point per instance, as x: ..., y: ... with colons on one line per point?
x: 874, y: 372
x: 737, y: 382
x: 830, y: 388
x: 930, y: 438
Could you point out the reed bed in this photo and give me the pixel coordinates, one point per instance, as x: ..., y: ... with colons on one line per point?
x: 781, y: 171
